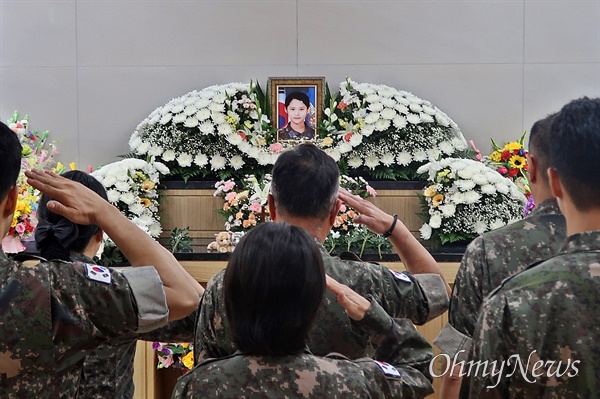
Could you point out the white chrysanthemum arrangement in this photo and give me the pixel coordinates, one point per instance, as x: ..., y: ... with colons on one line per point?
x: 216, y: 129
x: 387, y: 133
x: 132, y: 186
x: 466, y: 198
x: 368, y: 129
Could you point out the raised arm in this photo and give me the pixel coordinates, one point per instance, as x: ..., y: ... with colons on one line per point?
x: 401, y: 352
x: 414, y: 255
x: 81, y: 205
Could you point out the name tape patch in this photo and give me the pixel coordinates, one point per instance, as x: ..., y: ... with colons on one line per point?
x: 401, y: 276
x: 97, y: 273
x: 388, y: 369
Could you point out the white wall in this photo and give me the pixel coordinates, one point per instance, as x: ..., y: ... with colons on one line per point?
x: 90, y: 71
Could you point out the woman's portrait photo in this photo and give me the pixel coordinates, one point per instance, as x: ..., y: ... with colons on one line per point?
x: 294, y: 105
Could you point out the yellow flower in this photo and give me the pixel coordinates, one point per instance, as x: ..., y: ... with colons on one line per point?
x: 146, y: 202
x: 496, y: 156
x: 188, y: 360
x: 361, y: 122
x: 513, y: 145
x: 185, y: 345
x: 430, y: 191
x: 59, y: 167
x: 517, y: 161
x: 437, y: 200
x: 147, y: 185
x: 327, y: 141
x: 26, y: 150
x: 248, y: 124
x: 262, y: 141
x: 73, y: 165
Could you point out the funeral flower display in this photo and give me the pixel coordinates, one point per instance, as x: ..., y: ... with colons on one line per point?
x: 510, y: 160
x: 245, y: 203
x: 213, y: 131
x: 132, y: 186
x: 386, y: 133
x: 465, y: 198
x: 224, y: 130
x: 176, y: 355
x: 37, y: 153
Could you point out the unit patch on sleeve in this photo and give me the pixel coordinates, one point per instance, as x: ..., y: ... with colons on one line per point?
x: 388, y: 369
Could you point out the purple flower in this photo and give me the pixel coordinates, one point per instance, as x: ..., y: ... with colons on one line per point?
x: 156, y: 345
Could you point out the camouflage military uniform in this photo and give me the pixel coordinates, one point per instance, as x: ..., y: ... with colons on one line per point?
x: 416, y: 297
x: 304, y: 375
x: 491, y: 258
x: 108, y: 370
x: 51, y: 315
x: 552, y: 309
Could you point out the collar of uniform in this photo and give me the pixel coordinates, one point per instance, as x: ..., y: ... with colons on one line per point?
x: 548, y: 207
x: 586, y: 241
x: 79, y: 257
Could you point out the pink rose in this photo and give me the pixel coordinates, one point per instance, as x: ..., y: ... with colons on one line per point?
x: 371, y: 191
x: 230, y: 196
x: 502, y: 170
x: 343, y: 208
x: 255, y: 207
x: 276, y: 147
x: 228, y: 186
x: 20, y: 228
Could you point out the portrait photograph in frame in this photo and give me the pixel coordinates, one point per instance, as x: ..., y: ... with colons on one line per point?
x: 296, y: 106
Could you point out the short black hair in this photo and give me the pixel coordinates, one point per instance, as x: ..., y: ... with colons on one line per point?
x: 539, y: 144
x: 10, y: 159
x: 575, y: 151
x: 297, y: 95
x: 49, y: 245
x: 272, y: 288
x: 305, y: 182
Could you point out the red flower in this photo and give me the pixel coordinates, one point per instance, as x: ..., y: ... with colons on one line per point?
x: 242, y: 135
x: 502, y: 170
x: 348, y: 136
x: 512, y: 172
x: 505, y: 155
x: 342, y: 105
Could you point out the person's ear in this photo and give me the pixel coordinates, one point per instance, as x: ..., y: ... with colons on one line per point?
x: 334, y: 212
x: 272, y: 208
x: 99, y: 235
x: 532, y: 168
x: 10, y: 202
x: 555, y: 183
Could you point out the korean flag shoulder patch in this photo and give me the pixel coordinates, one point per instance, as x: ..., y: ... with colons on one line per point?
x: 97, y: 273
x: 388, y: 369
x: 401, y: 276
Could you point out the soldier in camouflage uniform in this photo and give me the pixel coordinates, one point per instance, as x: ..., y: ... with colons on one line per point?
x: 545, y: 319
x: 304, y: 193
x: 51, y: 315
x: 108, y: 370
x: 273, y: 287
x: 500, y: 253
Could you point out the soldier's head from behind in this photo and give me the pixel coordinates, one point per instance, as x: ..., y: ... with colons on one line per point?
x: 575, y: 154
x: 56, y: 236
x: 305, y: 183
x: 539, y: 149
x: 272, y: 288
x: 10, y: 165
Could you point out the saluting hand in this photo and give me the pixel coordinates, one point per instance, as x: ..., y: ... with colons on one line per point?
x: 356, y: 305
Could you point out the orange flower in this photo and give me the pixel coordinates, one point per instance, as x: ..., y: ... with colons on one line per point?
x: 239, y: 215
x: 226, y: 206
x: 146, y: 202
x: 147, y: 185
x: 437, y: 200
x: 342, y: 105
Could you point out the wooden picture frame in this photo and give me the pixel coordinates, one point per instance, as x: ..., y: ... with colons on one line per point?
x: 299, y: 91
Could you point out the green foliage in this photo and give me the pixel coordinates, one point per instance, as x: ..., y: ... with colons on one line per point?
x: 179, y: 241
x: 111, y: 255
x: 359, y: 242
